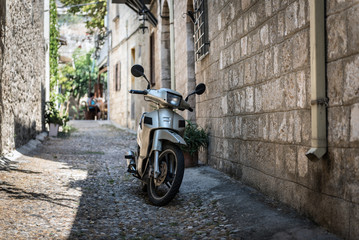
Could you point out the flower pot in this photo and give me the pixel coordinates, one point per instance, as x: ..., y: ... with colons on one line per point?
x: 54, y: 129
x: 190, y: 160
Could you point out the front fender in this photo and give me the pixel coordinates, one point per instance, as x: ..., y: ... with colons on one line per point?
x: 165, y: 134
x: 158, y: 136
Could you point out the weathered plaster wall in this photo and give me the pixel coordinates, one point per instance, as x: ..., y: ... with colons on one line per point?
x: 257, y: 105
x: 22, y: 71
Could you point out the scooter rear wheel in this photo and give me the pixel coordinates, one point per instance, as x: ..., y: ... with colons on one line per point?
x: 163, y: 189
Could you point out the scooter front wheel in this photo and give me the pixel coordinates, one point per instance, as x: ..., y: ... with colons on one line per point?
x: 171, y: 163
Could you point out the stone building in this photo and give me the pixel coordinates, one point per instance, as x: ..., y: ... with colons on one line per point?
x: 152, y: 47
x: 128, y: 46
x: 277, y: 91
x: 22, y: 71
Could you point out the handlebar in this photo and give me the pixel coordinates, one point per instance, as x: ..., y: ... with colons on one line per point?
x: 138, y: 92
x: 183, y: 105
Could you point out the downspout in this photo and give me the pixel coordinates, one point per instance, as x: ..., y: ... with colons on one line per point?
x: 172, y: 46
x: 319, y: 100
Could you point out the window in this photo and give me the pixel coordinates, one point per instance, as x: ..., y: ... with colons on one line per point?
x: 117, y: 77
x: 201, y: 42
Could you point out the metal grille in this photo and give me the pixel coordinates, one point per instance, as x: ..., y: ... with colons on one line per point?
x: 201, y: 42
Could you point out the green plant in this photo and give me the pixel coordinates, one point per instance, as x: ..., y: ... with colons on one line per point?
x: 52, y: 115
x: 195, y: 138
x: 74, y: 79
x: 54, y: 46
x: 66, y: 132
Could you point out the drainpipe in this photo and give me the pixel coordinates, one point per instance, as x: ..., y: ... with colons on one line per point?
x: 172, y: 46
x: 319, y: 100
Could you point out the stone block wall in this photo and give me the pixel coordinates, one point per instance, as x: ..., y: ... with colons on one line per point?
x: 257, y: 105
x: 22, y: 72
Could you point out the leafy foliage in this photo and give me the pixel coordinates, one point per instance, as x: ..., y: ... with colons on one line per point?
x: 74, y: 79
x: 54, y: 45
x: 52, y: 115
x: 64, y: 19
x: 195, y: 138
x: 95, y: 11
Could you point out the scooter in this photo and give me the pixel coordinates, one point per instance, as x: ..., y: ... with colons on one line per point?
x: 159, y: 161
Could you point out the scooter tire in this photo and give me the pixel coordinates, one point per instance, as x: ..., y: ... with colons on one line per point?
x: 176, y: 152
x: 144, y: 187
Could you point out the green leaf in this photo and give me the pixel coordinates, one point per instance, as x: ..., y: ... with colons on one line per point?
x: 195, y: 138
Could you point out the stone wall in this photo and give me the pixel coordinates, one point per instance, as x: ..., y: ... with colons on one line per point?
x: 22, y: 72
x: 257, y: 105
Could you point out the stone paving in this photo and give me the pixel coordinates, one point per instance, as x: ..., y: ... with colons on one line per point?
x: 77, y: 188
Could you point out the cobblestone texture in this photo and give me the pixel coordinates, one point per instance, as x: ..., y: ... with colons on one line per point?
x: 77, y: 188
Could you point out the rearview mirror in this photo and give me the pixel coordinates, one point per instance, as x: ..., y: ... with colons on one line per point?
x: 200, y: 89
x: 137, y: 70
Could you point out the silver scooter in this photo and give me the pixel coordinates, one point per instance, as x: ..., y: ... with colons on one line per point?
x: 159, y: 161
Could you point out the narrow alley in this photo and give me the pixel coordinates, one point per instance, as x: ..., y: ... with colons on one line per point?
x: 77, y: 187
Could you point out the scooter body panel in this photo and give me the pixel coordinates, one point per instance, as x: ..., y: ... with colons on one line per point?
x: 155, y: 126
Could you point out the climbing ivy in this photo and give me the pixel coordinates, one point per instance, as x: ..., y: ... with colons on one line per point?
x: 54, y: 47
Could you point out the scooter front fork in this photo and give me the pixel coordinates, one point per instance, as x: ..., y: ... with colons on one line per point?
x: 156, y: 163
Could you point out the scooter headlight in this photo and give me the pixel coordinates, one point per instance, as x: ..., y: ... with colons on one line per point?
x: 173, y: 99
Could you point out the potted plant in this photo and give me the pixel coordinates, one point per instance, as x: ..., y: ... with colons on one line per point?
x: 53, y: 118
x: 196, y: 138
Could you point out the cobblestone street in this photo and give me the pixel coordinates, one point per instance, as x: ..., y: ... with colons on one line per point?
x: 77, y: 188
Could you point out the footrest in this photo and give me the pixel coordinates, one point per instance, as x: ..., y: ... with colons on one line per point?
x: 130, y: 155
